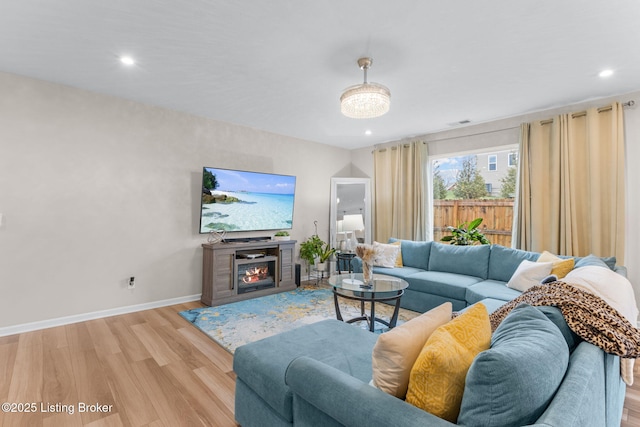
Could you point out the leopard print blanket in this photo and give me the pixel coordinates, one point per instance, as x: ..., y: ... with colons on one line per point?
x: 586, y: 314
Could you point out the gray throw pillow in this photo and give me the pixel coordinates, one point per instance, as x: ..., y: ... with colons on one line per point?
x: 594, y: 260
x: 512, y: 383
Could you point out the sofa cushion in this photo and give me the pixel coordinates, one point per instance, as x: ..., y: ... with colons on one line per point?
x: 261, y: 365
x: 396, y: 351
x: 555, y: 315
x: 491, y: 304
x: 610, y: 261
x: 386, y: 255
x: 529, y: 274
x: 512, y: 383
x: 490, y: 289
x: 467, y: 260
x: 437, y: 378
x: 503, y: 261
x: 561, y: 266
x: 402, y: 273
x: 399, y: 263
x: 414, y: 253
x: 450, y: 285
x: 591, y: 260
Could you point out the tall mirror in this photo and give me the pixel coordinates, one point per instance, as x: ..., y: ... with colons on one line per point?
x: 350, y: 219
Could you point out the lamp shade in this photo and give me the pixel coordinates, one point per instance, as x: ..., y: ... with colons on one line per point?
x: 353, y: 222
x: 365, y: 101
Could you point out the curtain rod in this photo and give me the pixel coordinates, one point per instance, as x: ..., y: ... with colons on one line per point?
x: 630, y: 103
x: 473, y: 134
x: 453, y: 137
x: 395, y: 147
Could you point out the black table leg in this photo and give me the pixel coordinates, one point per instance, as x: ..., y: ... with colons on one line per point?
x: 335, y: 302
x: 372, y: 322
x: 394, y: 318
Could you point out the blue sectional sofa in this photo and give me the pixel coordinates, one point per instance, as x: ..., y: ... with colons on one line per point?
x: 463, y: 275
x: 318, y: 375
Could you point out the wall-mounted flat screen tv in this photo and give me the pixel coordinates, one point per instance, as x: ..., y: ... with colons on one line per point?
x: 234, y: 200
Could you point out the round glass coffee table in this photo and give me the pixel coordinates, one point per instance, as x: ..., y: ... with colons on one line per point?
x: 382, y: 288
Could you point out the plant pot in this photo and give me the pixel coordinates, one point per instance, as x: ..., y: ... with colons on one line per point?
x: 321, y: 266
x: 282, y: 238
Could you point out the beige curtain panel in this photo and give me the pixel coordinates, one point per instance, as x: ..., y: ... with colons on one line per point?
x: 400, y: 191
x: 571, y: 184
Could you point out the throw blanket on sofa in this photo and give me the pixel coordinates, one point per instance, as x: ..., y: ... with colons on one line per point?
x: 588, y: 315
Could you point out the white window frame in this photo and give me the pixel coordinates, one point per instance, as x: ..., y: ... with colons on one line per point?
x: 515, y: 158
x: 494, y: 162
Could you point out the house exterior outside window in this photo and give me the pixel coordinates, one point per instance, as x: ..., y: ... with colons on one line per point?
x: 493, y: 162
x: 493, y: 165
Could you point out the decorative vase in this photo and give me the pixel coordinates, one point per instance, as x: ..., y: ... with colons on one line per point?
x: 367, y: 272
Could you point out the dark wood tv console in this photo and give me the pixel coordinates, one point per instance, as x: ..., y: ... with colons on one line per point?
x: 241, y: 270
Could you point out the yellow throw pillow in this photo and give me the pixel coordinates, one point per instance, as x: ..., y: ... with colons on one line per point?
x: 396, y: 351
x: 561, y: 267
x: 399, y: 258
x: 437, y: 378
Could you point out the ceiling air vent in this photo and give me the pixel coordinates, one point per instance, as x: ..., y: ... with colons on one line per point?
x: 460, y: 123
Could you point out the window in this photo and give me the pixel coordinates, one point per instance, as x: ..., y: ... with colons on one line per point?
x: 470, y: 185
x: 513, y: 159
x: 493, y: 162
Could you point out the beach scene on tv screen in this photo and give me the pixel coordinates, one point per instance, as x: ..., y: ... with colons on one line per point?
x: 246, y: 201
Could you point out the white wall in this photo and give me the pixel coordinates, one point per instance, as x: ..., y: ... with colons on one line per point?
x: 94, y: 189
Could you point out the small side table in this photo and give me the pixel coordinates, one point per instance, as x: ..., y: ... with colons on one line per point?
x: 344, y: 259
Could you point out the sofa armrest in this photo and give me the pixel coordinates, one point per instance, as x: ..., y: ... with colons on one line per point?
x: 356, y: 265
x: 350, y: 401
x: 582, y: 397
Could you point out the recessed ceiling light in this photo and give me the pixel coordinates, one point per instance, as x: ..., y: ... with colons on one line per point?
x: 367, y: 132
x: 127, y: 60
x: 606, y: 73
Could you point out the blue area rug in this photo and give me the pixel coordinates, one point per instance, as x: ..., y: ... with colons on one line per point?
x: 238, y: 323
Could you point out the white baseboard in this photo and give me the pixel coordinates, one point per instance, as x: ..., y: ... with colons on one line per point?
x: 44, y: 324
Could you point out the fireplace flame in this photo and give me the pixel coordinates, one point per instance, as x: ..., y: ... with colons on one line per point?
x: 254, y: 274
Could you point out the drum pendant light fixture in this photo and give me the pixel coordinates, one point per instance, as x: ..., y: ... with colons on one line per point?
x: 366, y: 100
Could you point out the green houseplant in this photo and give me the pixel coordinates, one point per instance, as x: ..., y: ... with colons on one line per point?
x: 325, y: 253
x: 310, y: 249
x: 466, y: 233
x: 282, y: 235
x: 315, y: 251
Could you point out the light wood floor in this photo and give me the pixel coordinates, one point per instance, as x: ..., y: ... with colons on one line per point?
x: 150, y: 368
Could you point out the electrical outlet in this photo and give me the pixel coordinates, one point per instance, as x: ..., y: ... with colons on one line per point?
x: 132, y: 282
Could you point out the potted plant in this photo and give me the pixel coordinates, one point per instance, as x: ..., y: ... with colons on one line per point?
x: 316, y: 252
x: 466, y: 234
x: 282, y: 235
x: 323, y: 256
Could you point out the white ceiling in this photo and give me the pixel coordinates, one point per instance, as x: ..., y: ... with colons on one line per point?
x: 281, y: 65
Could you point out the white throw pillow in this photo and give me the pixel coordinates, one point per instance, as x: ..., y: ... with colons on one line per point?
x: 386, y: 255
x: 396, y: 351
x: 529, y: 274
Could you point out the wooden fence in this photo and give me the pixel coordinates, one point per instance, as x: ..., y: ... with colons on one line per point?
x: 497, y: 217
